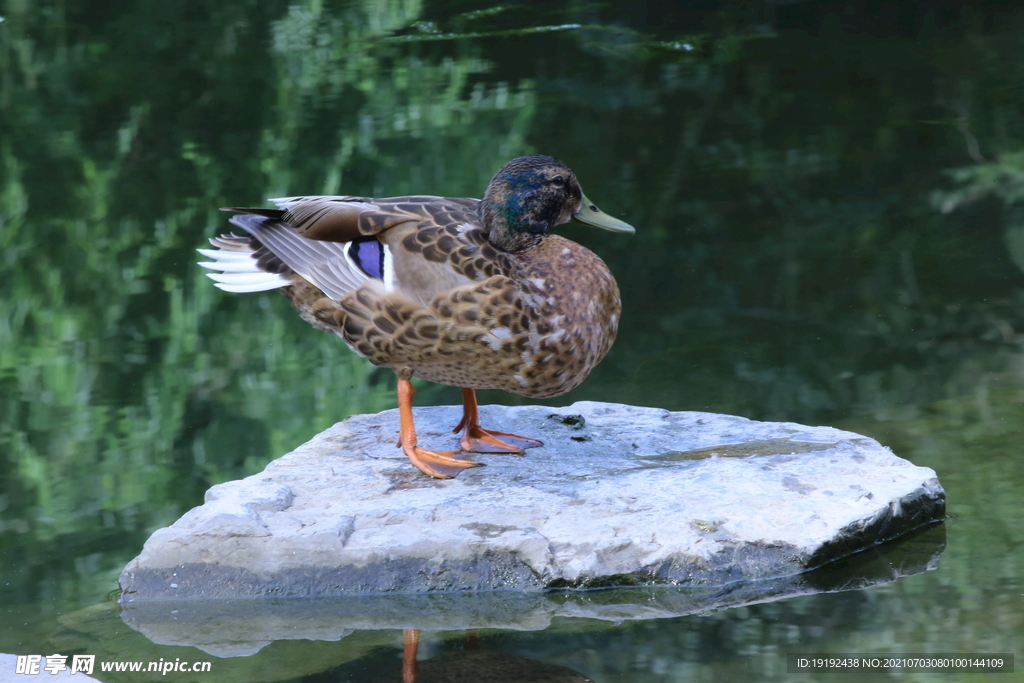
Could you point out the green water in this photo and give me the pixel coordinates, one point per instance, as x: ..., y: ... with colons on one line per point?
x: 829, y: 202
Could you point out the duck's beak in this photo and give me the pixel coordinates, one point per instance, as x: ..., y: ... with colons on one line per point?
x: 589, y: 214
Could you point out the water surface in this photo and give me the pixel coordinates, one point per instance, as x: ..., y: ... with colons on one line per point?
x: 829, y: 231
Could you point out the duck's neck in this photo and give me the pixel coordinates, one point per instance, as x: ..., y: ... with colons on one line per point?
x: 508, y: 228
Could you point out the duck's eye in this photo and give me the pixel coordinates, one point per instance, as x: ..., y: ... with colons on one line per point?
x: 558, y: 181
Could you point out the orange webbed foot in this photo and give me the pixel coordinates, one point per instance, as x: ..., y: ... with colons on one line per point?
x: 438, y: 464
x: 476, y: 439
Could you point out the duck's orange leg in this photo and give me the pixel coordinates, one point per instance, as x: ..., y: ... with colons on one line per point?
x: 438, y: 464
x: 476, y: 439
x: 410, y: 670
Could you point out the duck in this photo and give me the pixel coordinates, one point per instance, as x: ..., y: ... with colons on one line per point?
x: 472, y: 293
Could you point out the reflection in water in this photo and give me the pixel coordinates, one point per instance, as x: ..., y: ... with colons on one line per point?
x: 473, y: 665
x: 274, y: 630
x: 804, y: 255
x: 354, y: 638
x: 127, y: 385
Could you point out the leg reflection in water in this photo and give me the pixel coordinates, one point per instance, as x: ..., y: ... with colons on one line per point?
x: 476, y: 665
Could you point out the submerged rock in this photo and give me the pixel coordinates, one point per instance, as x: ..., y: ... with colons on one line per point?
x: 618, y: 495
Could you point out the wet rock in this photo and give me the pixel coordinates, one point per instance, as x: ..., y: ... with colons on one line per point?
x: 618, y: 495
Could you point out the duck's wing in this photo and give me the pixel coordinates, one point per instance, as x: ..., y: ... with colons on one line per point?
x: 343, y: 219
x: 428, y: 244
x: 337, y: 243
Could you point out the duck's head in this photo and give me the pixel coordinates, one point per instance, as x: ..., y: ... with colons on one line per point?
x: 530, y: 195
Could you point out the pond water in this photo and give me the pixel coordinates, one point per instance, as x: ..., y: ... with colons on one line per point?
x: 830, y: 230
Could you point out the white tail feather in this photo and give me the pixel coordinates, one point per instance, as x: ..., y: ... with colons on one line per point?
x: 222, y: 255
x: 247, y: 278
x: 239, y: 272
x: 258, y: 287
x: 228, y: 266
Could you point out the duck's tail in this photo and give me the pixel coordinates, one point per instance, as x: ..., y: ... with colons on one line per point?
x: 241, y: 262
x: 270, y: 254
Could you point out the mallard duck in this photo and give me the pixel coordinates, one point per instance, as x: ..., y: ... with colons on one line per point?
x: 466, y: 292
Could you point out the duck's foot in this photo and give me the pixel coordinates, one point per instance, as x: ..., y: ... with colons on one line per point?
x: 437, y: 464
x: 476, y: 439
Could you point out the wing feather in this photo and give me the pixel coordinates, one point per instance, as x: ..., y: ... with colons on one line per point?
x: 324, y: 264
x: 311, y: 236
x: 344, y: 219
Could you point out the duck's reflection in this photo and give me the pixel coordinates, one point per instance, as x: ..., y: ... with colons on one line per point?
x: 473, y: 664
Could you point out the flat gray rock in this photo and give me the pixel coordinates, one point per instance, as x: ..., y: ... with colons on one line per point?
x: 228, y: 628
x: 618, y: 495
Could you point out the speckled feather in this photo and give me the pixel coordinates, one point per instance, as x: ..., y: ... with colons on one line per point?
x: 533, y: 319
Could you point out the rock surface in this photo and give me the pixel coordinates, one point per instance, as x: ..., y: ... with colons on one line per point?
x: 619, y: 495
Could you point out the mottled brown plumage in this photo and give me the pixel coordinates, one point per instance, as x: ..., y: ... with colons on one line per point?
x: 465, y: 292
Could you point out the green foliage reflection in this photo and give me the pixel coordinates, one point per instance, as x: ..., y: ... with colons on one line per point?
x: 793, y: 258
x: 128, y: 384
